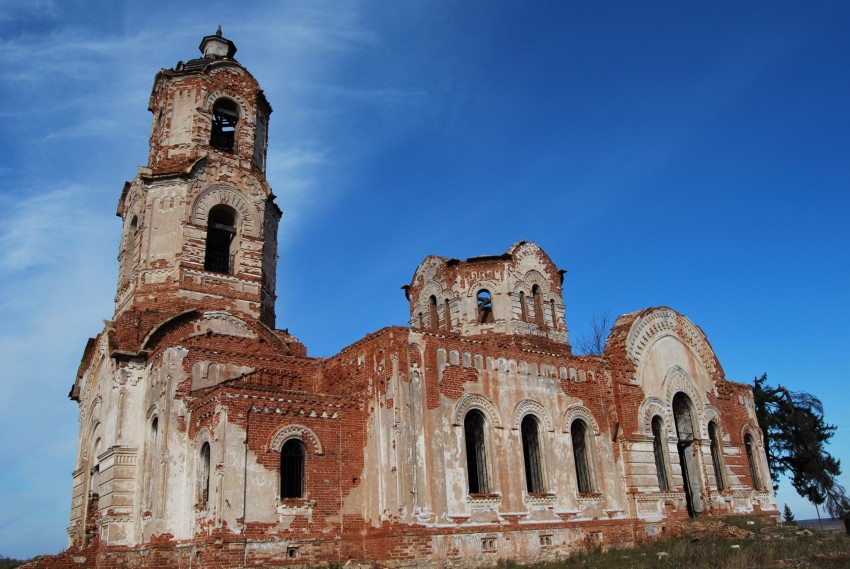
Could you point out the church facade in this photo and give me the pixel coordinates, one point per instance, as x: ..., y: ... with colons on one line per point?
x: 209, y: 437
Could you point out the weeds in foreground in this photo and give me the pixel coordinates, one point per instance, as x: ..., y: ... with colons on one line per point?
x: 763, y: 551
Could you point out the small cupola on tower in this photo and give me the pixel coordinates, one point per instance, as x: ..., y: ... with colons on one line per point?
x: 217, y: 46
x: 516, y: 293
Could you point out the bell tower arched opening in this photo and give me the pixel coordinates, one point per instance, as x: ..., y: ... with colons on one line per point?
x: 221, y: 231
x: 225, y: 115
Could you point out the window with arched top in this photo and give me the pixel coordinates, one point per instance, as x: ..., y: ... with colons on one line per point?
x: 433, y: 318
x: 532, y: 455
x: 94, y: 482
x: 553, y: 314
x: 582, y: 455
x: 523, y: 309
x: 485, y: 307
x: 716, y: 455
x: 292, y: 459
x: 686, y: 434
x: 537, y: 299
x: 221, y: 231
x: 476, y: 452
x: 131, y: 238
x: 128, y: 255
x: 448, y: 315
x: 152, y: 463
x: 204, y: 474
x: 658, y: 443
x: 225, y: 115
x: 750, y: 445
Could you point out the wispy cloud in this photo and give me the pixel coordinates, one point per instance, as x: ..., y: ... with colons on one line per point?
x: 14, y: 10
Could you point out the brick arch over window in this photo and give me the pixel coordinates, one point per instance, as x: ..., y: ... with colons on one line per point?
x: 529, y: 407
x: 92, y: 421
x: 753, y: 445
x: 307, y: 436
x: 580, y: 412
x: 442, y: 306
x: 492, y: 286
x: 678, y: 380
x: 246, y: 116
x: 651, y: 407
x: 477, y: 402
x: 535, y: 278
x: 247, y: 222
x: 710, y: 415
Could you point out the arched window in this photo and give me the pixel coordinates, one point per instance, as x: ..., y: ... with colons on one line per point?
x: 523, y: 309
x: 536, y: 297
x: 750, y: 445
x: 716, y: 455
x: 531, y: 454
x: 224, y: 118
x: 128, y: 255
x: 485, y: 307
x: 221, y: 229
x: 448, y: 316
x: 433, y: 319
x: 476, y: 455
x: 204, y: 474
x: 582, y: 456
x: 658, y: 442
x: 292, y: 457
x: 553, y: 314
x: 153, y: 463
x: 689, y: 463
x: 94, y: 482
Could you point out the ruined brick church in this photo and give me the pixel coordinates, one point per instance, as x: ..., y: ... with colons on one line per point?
x: 209, y: 437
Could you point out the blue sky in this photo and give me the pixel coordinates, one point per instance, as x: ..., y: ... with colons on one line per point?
x: 687, y: 154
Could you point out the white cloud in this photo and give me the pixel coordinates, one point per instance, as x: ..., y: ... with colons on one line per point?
x: 15, y: 10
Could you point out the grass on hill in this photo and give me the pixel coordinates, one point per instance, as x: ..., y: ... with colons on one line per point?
x: 756, y: 545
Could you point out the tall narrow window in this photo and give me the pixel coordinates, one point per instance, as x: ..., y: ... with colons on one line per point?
x: 153, y: 463
x: 448, y: 315
x: 686, y: 430
x: 658, y: 442
x: 94, y: 483
x: 292, y: 457
x: 716, y: 459
x: 553, y: 314
x: 224, y: 119
x: 204, y: 475
x: 128, y: 256
x: 531, y: 454
x: 476, y: 456
x: 433, y: 318
x: 582, y: 456
x: 536, y: 297
x: 221, y: 229
x: 749, y: 443
x: 485, y: 307
x: 523, y: 309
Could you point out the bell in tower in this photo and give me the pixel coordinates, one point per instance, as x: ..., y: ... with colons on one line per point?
x: 200, y: 222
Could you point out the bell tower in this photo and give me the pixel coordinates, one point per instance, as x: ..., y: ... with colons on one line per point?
x: 200, y: 222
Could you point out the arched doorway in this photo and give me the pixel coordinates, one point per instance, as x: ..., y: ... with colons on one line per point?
x: 686, y: 435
